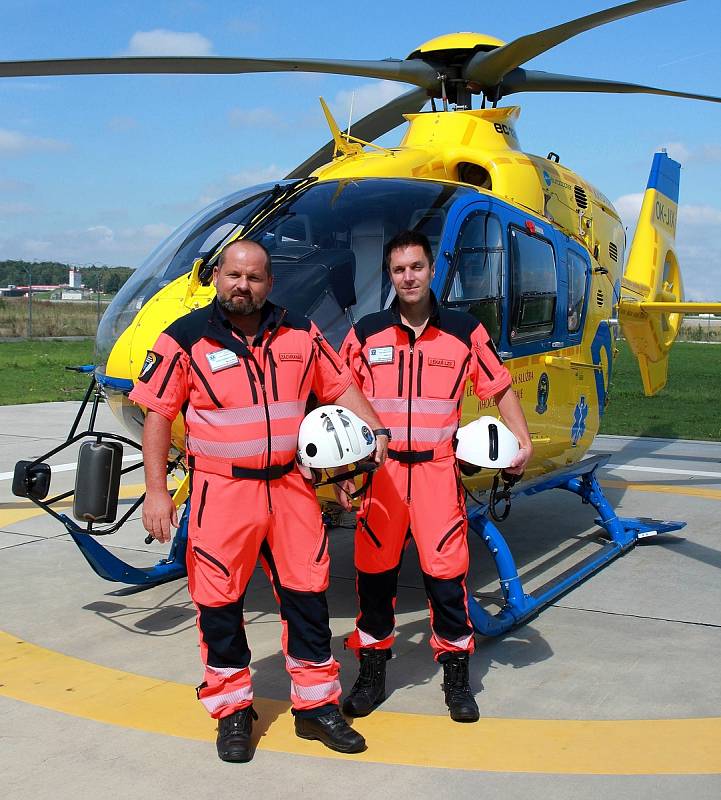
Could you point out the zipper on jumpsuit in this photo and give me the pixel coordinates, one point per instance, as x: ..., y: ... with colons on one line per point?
x: 411, y: 346
x: 261, y: 380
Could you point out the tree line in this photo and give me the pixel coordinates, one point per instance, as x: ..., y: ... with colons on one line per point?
x: 107, y: 279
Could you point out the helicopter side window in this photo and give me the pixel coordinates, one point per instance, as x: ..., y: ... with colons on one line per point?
x: 577, y: 279
x: 476, y: 282
x: 533, y: 301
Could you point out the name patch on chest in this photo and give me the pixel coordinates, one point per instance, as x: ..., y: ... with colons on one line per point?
x: 441, y: 362
x: 221, y: 359
x: 290, y: 357
x: 381, y: 355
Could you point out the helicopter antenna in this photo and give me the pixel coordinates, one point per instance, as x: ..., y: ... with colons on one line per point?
x: 350, y: 116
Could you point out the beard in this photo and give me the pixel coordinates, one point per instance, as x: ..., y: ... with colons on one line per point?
x: 242, y: 306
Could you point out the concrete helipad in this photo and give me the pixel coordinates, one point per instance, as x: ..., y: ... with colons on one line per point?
x: 614, y: 691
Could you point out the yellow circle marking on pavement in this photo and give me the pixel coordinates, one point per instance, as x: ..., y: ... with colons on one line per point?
x: 55, y: 681
x: 70, y: 685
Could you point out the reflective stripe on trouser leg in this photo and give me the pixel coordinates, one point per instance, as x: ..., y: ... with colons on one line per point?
x: 380, y: 537
x: 439, y: 525
x: 222, y: 552
x: 451, y: 630
x: 314, y: 684
x: 376, y: 620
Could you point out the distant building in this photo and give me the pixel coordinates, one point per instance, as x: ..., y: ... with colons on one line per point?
x: 71, y: 294
x: 74, y: 278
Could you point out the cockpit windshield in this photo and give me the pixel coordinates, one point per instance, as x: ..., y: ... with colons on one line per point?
x: 174, y: 257
x: 327, y: 243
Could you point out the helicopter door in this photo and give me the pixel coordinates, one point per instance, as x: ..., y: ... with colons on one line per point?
x: 476, y: 278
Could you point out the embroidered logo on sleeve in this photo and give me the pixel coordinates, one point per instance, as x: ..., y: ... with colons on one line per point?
x: 441, y: 362
x: 381, y: 355
x: 151, y: 363
x: 290, y: 357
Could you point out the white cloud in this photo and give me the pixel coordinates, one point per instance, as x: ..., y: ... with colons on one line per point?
x: 12, y: 186
x: 676, y: 150
x: 16, y: 209
x: 241, y: 179
x: 366, y: 98
x: 629, y: 207
x: 702, y: 154
x: 161, y: 42
x: 254, y: 118
x: 122, y: 124
x: 16, y: 143
x: 98, y: 244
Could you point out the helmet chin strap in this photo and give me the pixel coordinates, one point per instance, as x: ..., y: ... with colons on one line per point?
x: 363, y: 468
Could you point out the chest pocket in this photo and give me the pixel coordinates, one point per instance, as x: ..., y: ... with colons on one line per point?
x: 441, y: 375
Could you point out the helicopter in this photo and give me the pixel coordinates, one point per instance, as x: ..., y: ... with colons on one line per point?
x: 521, y: 242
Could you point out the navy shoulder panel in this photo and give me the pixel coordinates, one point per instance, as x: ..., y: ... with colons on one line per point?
x: 373, y: 323
x: 299, y: 322
x: 190, y: 328
x: 458, y: 324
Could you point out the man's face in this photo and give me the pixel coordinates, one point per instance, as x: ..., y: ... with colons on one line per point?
x: 411, y: 274
x: 242, y: 283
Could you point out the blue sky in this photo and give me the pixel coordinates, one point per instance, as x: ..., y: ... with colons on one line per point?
x: 100, y: 169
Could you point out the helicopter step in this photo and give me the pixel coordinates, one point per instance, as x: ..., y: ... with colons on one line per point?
x: 623, y: 533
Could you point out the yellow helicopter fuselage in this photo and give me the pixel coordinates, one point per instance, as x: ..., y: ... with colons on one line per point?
x: 563, y: 381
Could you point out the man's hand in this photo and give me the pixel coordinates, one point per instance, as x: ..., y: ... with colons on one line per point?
x: 381, y: 452
x: 343, y: 490
x: 159, y: 513
x: 520, y: 461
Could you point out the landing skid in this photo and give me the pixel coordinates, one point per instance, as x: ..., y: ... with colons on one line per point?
x: 112, y: 568
x: 623, y: 534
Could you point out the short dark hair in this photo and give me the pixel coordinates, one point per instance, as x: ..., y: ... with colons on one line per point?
x: 221, y: 257
x: 407, y: 239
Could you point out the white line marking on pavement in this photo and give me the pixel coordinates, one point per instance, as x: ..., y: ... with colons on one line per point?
x: 693, y: 472
x: 4, y: 476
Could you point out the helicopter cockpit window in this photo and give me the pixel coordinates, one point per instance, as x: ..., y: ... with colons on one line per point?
x: 577, y: 279
x: 174, y: 257
x: 533, y: 300
x: 476, y: 283
x: 326, y: 244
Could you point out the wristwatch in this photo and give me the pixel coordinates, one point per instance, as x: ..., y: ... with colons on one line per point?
x: 382, y: 432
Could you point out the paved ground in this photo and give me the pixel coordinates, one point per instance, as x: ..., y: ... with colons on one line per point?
x: 619, y: 677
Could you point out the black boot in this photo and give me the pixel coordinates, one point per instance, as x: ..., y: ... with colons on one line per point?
x: 234, y: 731
x: 459, y: 698
x: 370, y: 688
x: 332, y: 730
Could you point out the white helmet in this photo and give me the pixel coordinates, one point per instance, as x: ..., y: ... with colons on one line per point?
x: 486, y: 442
x: 333, y: 436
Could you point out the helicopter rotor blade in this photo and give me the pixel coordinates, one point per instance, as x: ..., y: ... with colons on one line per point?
x: 488, y: 69
x: 521, y: 80
x: 416, y: 72
x: 368, y: 128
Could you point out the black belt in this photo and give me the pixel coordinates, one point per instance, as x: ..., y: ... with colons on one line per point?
x: 266, y: 473
x: 411, y: 456
x: 271, y: 473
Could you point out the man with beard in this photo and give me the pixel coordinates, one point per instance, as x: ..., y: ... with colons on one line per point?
x: 241, y: 370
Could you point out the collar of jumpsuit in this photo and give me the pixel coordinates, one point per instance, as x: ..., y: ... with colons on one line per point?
x: 433, y: 318
x: 270, y: 317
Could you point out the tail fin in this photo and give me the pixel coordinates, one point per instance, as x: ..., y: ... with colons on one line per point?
x: 650, y: 309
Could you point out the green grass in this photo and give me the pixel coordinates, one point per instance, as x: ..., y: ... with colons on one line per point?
x: 688, y: 406
x: 34, y: 371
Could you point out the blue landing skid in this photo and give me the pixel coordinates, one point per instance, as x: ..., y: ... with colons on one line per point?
x: 112, y: 568
x: 623, y: 533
